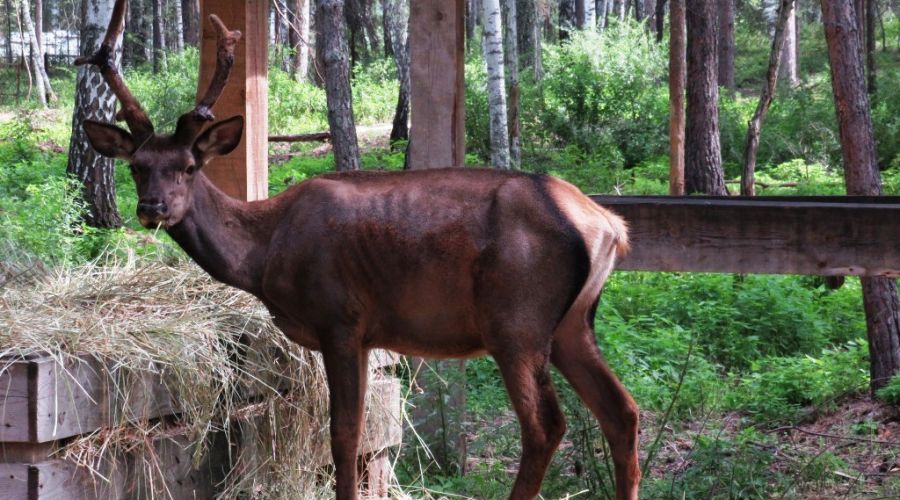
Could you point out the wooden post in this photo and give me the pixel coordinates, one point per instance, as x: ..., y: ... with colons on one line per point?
x: 437, y: 42
x: 242, y: 174
x: 437, y: 35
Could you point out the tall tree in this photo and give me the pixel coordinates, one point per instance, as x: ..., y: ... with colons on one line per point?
x: 703, y: 156
x: 39, y: 26
x: 677, y: 59
x: 94, y: 101
x: 135, y: 43
x: 42, y: 82
x: 861, y: 175
x: 336, y: 58
x: 568, y: 18
x: 871, y: 13
x: 9, y: 18
x: 386, y: 29
x: 190, y: 21
x: 300, y: 40
x: 493, y: 58
x: 511, y: 61
x: 159, y: 40
x: 751, y: 147
x: 726, y: 44
x: 660, y: 18
x: 398, y: 18
x: 529, y: 36
x: 179, y: 26
x: 788, y: 72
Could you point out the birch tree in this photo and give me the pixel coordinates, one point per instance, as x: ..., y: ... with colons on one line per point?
x: 493, y: 58
x: 94, y: 101
x: 42, y: 82
x: 300, y: 40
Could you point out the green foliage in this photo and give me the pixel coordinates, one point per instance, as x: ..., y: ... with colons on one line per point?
x: 779, y: 387
x: 890, y: 393
x: 603, y: 90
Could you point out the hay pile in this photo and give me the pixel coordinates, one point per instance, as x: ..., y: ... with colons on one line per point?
x: 177, y: 324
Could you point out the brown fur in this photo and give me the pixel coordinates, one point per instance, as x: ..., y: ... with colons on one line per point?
x: 437, y: 263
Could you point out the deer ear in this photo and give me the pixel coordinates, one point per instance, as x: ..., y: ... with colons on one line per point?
x: 109, y: 140
x: 219, y: 139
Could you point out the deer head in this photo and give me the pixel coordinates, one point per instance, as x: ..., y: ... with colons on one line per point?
x: 164, y: 166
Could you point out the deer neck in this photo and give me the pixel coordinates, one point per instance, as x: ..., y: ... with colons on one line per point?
x: 228, y: 238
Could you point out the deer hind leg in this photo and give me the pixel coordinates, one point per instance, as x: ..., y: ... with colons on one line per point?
x: 527, y: 379
x: 578, y: 358
x: 346, y: 368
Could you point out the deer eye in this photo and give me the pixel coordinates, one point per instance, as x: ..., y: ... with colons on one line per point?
x: 190, y: 169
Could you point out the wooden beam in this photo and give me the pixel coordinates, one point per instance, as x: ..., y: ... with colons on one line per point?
x: 437, y: 39
x: 824, y: 236
x: 244, y: 173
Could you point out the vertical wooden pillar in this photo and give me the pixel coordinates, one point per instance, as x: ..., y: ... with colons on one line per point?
x: 242, y: 174
x: 437, y: 43
x: 437, y: 36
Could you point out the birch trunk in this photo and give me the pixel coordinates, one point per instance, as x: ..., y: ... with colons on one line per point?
x: 41, y: 80
x: 788, y: 71
x: 330, y: 20
x: 493, y: 58
x: 511, y: 61
x: 95, y: 101
x: 300, y: 30
x: 179, y: 27
x: 785, y: 12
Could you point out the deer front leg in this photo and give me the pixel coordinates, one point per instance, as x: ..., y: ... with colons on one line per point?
x: 346, y: 367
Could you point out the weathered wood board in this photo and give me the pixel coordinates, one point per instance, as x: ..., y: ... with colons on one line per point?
x: 824, y: 236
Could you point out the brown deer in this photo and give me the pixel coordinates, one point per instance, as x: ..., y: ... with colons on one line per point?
x: 438, y: 263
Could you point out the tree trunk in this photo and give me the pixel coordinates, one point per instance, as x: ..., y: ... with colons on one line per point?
x: 386, y: 29
x: 785, y: 12
x: 9, y: 18
x: 95, y: 101
x: 179, y: 27
x: 39, y: 27
x: 190, y: 21
x: 493, y: 58
x: 159, y: 42
x: 788, y: 70
x: 398, y: 16
x: 41, y: 80
x: 567, y: 17
x: 861, y: 175
x: 677, y: 57
x: 330, y: 20
x: 703, y: 157
x: 638, y: 10
x: 472, y: 8
x: 660, y: 15
x: 726, y: 44
x: 134, y: 48
x: 871, y: 11
x: 300, y: 40
x: 511, y: 61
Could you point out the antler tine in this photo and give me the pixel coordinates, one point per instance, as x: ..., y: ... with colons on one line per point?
x: 191, y: 123
x: 104, y: 60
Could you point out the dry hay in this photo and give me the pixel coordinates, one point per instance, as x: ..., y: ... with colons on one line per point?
x: 178, y: 324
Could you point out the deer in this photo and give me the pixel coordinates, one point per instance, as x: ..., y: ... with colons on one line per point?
x: 446, y: 263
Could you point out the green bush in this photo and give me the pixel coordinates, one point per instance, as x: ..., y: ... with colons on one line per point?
x: 890, y: 393
x: 777, y: 388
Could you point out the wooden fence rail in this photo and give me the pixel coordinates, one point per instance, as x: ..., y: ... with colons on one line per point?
x: 816, y: 235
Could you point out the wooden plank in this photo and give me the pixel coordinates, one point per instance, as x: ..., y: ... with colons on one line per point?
x: 825, y: 236
x: 242, y: 174
x: 44, y: 401
x: 384, y: 415
x: 437, y: 71
x: 168, y: 474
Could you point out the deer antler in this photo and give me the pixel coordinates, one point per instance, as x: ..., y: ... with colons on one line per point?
x: 191, y: 123
x: 104, y: 59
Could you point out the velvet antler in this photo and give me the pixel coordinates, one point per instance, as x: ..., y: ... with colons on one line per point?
x: 132, y: 112
x: 191, y: 123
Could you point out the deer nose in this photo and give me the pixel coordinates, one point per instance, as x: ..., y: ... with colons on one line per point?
x: 152, y: 208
